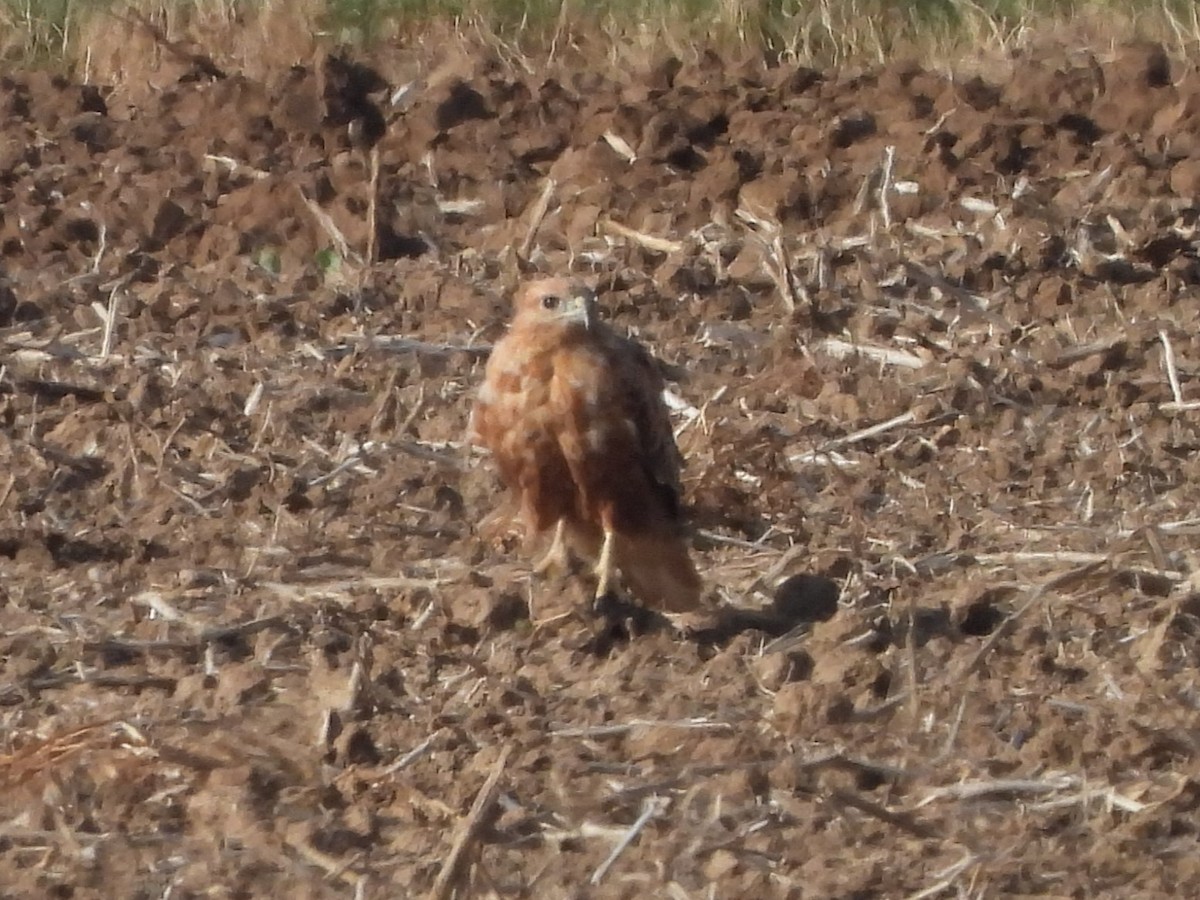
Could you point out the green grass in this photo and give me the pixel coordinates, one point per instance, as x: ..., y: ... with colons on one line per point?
x: 40, y: 30
x: 777, y: 22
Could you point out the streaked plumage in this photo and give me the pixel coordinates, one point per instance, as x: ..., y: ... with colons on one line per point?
x: 574, y: 418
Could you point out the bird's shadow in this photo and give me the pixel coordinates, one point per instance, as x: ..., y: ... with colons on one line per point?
x: 799, y: 602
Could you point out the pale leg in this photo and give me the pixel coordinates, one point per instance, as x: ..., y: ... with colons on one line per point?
x: 605, y: 566
x: 556, y: 556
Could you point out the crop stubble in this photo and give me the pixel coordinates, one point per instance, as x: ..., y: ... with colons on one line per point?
x: 939, y: 352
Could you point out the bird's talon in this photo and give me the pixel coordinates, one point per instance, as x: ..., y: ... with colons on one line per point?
x: 602, y: 587
x: 553, y: 560
x: 556, y: 557
x: 604, y: 566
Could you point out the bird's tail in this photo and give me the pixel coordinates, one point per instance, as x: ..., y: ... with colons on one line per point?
x: 656, y: 567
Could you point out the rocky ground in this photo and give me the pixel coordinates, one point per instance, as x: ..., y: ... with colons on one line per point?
x: 938, y: 398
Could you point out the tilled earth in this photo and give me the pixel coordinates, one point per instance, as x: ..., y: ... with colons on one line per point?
x: 937, y: 359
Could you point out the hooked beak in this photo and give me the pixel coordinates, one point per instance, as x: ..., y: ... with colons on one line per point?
x: 580, y: 308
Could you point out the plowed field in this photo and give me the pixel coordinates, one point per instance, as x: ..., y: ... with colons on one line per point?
x: 938, y: 392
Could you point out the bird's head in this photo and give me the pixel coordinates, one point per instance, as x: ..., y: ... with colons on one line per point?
x: 560, y: 302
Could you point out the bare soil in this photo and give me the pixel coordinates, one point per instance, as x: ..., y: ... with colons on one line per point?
x: 944, y: 489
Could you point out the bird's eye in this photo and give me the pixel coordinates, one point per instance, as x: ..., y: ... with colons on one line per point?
x: 549, y: 301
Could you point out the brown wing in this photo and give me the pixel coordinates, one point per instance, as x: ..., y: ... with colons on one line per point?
x: 615, y: 434
x: 642, y: 388
x: 655, y: 564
